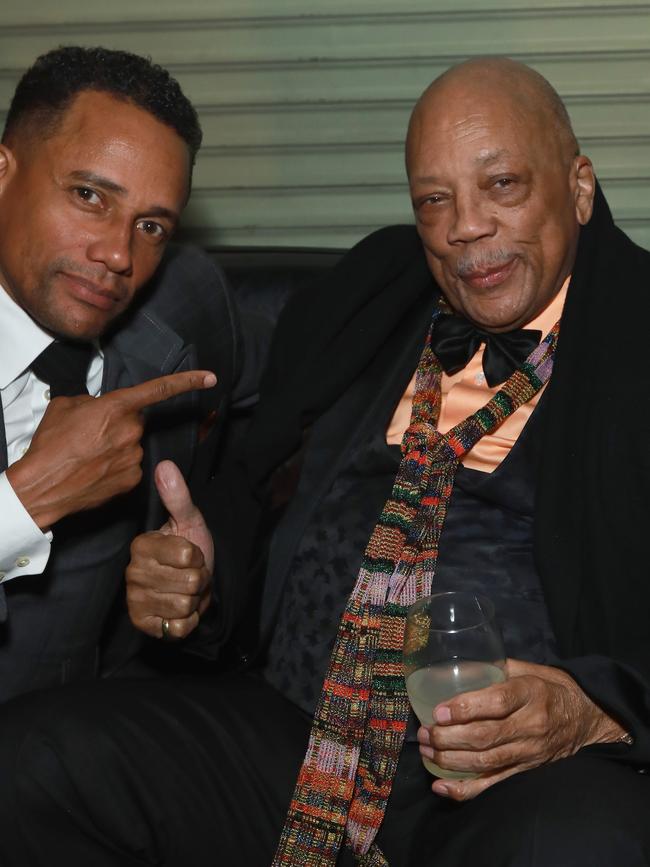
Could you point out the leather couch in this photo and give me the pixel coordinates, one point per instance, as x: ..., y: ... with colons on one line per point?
x: 263, y: 277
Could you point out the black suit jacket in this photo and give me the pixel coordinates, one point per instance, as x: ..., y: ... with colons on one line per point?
x: 56, y: 626
x: 593, y: 481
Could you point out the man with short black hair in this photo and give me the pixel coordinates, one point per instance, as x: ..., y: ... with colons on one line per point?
x: 95, y: 169
x: 51, y: 84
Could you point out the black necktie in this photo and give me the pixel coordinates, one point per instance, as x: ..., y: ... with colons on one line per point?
x: 455, y: 340
x: 64, y: 367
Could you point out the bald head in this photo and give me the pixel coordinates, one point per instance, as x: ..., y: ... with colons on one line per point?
x: 499, y: 189
x: 493, y: 81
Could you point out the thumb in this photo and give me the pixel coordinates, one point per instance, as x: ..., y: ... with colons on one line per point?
x: 175, y: 495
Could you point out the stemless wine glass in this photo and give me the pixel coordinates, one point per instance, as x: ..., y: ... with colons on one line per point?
x: 452, y: 644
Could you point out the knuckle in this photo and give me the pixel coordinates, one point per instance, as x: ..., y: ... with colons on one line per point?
x: 185, y: 605
x: 440, y: 758
x: 483, y: 738
x: 139, y: 546
x: 127, y: 434
x: 510, y: 732
x: 159, y: 390
x: 192, y: 582
x: 503, y: 703
x: 137, y: 454
x: 137, y: 429
x: 177, y: 629
x: 540, y: 725
x: 182, y: 628
x: 484, y: 761
x: 185, y: 552
x: 437, y: 737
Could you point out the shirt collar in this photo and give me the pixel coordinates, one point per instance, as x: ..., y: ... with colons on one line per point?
x: 545, y: 320
x: 21, y: 339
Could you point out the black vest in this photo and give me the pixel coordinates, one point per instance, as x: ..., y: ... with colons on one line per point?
x: 486, y: 547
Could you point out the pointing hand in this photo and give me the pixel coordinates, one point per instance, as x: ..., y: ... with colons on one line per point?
x: 87, y: 450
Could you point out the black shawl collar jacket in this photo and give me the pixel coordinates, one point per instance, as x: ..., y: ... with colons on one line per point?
x: 593, y: 489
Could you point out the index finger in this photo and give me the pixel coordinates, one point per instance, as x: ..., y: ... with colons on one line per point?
x: 162, y: 388
x: 492, y: 702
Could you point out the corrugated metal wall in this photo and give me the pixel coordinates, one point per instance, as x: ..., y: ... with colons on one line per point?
x: 304, y: 104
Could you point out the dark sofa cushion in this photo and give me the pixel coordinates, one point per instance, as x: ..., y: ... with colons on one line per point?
x: 263, y: 278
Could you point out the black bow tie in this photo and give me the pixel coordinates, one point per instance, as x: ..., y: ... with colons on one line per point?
x: 64, y: 366
x: 455, y: 340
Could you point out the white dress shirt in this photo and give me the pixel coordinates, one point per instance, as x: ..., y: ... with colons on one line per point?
x: 24, y: 549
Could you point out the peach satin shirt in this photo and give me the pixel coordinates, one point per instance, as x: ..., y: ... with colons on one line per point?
x: 466, y: 391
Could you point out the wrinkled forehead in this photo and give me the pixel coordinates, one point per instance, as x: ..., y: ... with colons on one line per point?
x: 482, y: 121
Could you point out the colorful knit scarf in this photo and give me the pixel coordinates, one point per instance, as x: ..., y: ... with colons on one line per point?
x: 360, y: 722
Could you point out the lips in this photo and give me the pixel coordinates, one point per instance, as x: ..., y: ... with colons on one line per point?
x: 91, y: 293
x: 488, y: 278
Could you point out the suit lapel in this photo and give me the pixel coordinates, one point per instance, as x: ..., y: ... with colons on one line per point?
x: 144, y: 349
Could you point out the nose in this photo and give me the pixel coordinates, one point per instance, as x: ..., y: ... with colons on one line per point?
x: 112, y: 247
x: 471, y: 221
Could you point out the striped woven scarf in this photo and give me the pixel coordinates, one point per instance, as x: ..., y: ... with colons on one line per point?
x: 360, y: 722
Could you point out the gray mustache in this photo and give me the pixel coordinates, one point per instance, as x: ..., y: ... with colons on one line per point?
x: 470, y: 264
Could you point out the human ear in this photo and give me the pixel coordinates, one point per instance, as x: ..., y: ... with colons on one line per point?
x: 7, y: 166
x: 584, y: 188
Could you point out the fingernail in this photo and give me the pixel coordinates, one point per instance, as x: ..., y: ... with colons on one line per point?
x: 209, y: 380
x: 442, y: 714
x: 423, y: 735
x: 427, y: 752
x: 440, y: 789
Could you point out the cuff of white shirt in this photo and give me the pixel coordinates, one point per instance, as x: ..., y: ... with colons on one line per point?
x: 24, y: 548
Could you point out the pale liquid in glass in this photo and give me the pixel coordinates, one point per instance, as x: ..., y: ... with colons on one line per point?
x: 427, y: 687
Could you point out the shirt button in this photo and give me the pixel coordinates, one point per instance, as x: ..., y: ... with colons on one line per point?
x: 46, y: 394
x: 22, y: 561
x: 479, y: 379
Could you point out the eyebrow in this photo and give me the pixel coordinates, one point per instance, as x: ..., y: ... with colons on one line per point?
x: 483, y: 159
x: 491, y: 156
x: 111, y: 186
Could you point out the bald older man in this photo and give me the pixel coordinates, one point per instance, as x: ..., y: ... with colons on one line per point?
x: 522, y: 475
